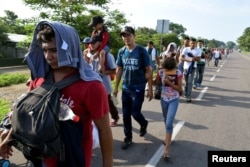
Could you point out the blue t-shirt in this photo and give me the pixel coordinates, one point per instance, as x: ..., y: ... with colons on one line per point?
x: 134, y: 65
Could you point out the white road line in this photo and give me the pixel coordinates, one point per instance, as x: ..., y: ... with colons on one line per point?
x: 202, y: 93
x: 158, y: 154
x: 213, y: 78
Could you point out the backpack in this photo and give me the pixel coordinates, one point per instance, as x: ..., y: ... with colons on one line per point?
x: 112, y: 76
x: 157, y: 91
x: 35, y: 122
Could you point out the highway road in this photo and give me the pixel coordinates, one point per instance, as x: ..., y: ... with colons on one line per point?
x: 217, y: 119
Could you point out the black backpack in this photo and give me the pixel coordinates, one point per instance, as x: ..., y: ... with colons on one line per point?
x: 35, y: 122
x: 157, y: 91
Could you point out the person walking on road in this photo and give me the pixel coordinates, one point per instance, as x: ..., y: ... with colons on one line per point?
x: 217, y: 55
x: 180, y: 49
x: 154, y: 59
x: 95, y: 43
x: 171, y: 86
x: 190, y: 55
x: 63, y: 58
x: 133, y: 66
x: 171, y: 51
x: 199, y: 72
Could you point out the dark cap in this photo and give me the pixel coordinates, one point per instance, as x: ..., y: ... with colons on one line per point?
x: 127, y: 30
x: 86, y: 40
x: 186, y: 38
x: 95, y: 39
x: 95, y: 20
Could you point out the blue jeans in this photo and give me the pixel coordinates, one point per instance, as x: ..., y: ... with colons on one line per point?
x: 180, y: 66
x: 132, y: 100
x: 169, y: 110
x: 189, y: 83
x: 199, y: 74
x: 216, y: 62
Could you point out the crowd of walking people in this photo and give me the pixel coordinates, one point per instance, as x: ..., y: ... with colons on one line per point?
x: 91, y: 97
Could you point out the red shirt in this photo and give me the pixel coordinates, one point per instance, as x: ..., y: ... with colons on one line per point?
x: 88, y: 99
x: 105, y: 38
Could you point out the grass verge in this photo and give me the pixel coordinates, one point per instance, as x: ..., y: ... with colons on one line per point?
x: 4, y: 108
x: 12, y: 78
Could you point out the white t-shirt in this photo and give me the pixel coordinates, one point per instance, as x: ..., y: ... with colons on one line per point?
x: 216, y: 54
x: 195, y: 52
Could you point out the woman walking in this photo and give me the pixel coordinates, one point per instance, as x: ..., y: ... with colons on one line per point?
x: 171, y: 79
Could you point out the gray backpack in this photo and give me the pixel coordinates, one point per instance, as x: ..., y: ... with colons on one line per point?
x: 35, y: 122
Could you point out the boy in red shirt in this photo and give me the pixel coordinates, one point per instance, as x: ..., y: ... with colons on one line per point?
x: 99, y: 29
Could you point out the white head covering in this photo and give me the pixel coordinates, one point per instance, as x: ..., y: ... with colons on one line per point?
x: 168, y: 48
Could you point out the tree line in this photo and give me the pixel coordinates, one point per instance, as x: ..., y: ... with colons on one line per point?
x: 78, y: 13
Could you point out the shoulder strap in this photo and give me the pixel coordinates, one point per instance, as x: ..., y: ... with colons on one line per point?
x: 121, y: 53
x: 141, y: 53
x: 67, y: 81
x: 123, y: 50
x: 63, y: 83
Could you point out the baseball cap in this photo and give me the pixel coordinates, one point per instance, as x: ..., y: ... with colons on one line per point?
x: 127, y: 30
x: 86, y: 40
x: 186, y: 38
x: 95, y: 20
x: 95, y: 39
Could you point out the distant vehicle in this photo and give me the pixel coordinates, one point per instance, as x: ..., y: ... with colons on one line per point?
x: 239, y: 50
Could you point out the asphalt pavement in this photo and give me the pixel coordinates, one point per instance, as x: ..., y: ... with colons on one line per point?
x: 217, y: 119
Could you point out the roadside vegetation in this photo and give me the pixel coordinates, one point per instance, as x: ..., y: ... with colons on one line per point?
x: 11, y: 79
x: 8, y: 79
x: 4, y: 108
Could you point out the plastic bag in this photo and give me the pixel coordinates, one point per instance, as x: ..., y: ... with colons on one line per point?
x: 96, y: 142
x: 115, y: 100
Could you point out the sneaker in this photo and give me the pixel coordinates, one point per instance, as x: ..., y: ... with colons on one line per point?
x: 113, y: 123
x: 189, y: 100
x: 143, y: 130
x: 127, y: 142
x: 195, y: 86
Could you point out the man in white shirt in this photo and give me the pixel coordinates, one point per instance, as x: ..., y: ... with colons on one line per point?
x: 154, y: 58
x: 190, y: 55
x: 180, y: 49
x: 198, y: 77
x: 216, y: 57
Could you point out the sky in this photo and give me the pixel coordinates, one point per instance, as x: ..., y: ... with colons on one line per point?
x: 210, y: 19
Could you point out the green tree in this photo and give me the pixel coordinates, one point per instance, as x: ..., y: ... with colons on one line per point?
x: 230, y: 44
x: 244, y: 40
x: 178, y: 29
x: 216, y: 44
x: 14, y: 24
x: 10, y: 18
x: 143, y: 37
x: 3, y: 32
x: 78, y: 14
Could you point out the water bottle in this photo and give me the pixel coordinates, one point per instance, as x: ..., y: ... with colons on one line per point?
x: 66, y: 113
x: 89, y: 55
x: 4, y: 163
